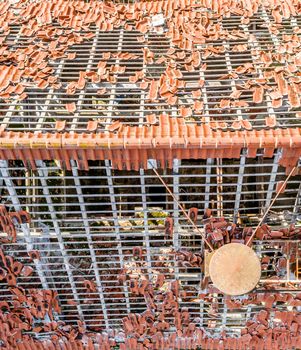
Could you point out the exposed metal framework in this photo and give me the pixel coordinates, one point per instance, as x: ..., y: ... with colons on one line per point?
x: 85, y: 224
x: 95, y: 219
x: 127, y: 101
x: 193, y: 180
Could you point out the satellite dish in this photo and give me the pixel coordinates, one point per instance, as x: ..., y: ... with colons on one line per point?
x: 235, y: 269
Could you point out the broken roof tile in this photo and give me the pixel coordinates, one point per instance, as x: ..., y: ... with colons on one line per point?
x: 271, y: 121
x: 70, y: 107
x: 92, y: 125
x: 114, y: 126
x: 153, y: 91
x: 258, y: 94
x: 60, y: 125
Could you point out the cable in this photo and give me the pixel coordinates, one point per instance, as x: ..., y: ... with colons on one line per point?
x: 183, y: 210
x: 201, y: 233
x: 270, y: 206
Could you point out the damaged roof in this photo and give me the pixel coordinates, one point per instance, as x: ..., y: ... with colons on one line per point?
x: 72, y: 66
x: 163, y: 308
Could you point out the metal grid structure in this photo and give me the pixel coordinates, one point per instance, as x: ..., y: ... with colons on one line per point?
x: 127, y: 101
x: 85, y: 225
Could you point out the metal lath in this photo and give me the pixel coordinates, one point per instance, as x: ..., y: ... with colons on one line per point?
x: 86, y: 223
x: 127, y: 102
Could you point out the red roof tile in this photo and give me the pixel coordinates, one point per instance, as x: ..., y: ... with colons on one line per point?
x: 171, y: 138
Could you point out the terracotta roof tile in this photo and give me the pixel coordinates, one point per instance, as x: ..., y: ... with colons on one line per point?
x: 173, y: 134
x: 60, y: 125
x: 56, y: 27
x: 92, y: 125
x: 71, y: 107
x: 271, y: 121
x: 258, y: 94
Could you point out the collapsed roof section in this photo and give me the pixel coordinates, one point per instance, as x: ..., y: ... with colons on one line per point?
x: 109, y: 70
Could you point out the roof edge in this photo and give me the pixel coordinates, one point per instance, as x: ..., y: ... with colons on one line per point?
x: 131, y: 147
